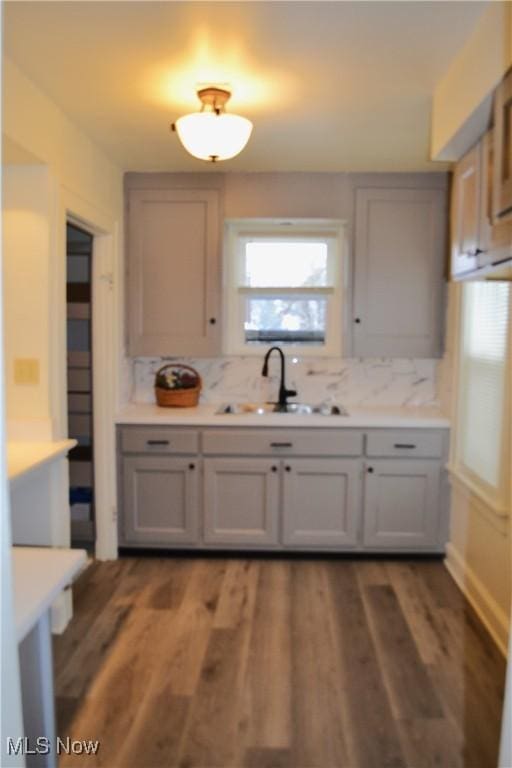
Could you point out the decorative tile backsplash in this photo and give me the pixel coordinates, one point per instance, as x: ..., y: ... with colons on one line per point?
x: 374, y: 382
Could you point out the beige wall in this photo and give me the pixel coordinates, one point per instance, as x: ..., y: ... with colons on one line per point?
x: 462, y: 100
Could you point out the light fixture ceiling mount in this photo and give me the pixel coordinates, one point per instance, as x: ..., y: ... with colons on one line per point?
x: 212, y: 134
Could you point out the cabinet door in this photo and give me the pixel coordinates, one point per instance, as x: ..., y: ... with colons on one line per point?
x: 161, y: 498
x: 321, y: 502
x: 466, y: 213
x: 502, y: 197
x: 173, y: 272
x: 241, y: 501
x: 399, y: 264
x: 495, y: 237
x: 402, y: 504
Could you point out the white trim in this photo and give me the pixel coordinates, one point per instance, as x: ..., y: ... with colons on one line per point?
x: 106, y: 289
x: 490, y: 613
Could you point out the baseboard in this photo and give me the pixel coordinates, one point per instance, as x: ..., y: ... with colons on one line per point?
x: 492, y: 616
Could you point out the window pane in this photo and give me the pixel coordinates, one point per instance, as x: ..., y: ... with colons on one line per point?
x: 292, y: 320
x: 482, y: 378
x: 287, y: 264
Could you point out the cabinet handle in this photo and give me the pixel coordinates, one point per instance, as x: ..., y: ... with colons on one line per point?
x: 370, y: 470
x: 157, y: 442
x: 478, y: 251
x: 404, y: 445
x: 191, y: 466
x: 281, y: 445
x: 357, y: 320
x: 274, y: 469
x: 288, y: 469
x: 213, y: 320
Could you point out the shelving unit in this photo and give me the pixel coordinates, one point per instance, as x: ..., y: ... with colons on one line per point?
x: 80, y: 400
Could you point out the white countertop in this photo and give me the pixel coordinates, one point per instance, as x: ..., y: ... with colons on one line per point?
x: 39, y: 575
x: 23, y: 457
x: 205, y: 416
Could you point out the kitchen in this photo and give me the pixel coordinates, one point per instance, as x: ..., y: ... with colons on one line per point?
x: 413, y: 470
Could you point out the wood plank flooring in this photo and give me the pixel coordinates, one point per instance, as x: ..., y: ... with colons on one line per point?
x: 268, y: 663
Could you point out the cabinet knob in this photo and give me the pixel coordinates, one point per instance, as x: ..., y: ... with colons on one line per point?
x: 370, y: 470
x: 357, y: 320
x: 288, y: 469
x: 274, y: 469
x: 191, y: 466
x: 213, y: 320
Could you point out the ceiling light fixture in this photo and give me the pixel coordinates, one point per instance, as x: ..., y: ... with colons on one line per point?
x: 212, y: 134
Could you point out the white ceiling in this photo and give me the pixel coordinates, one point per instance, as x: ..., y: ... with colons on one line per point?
x: 330, y: 86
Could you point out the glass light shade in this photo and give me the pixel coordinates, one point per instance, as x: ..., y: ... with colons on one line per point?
x: 209, y: 136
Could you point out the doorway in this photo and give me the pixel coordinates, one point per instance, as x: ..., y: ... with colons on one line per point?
x: 80, y: 404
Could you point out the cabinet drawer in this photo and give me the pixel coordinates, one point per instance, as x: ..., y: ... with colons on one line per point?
x: 290, y: 442
x: 156, y: 440
x: 405, y: 443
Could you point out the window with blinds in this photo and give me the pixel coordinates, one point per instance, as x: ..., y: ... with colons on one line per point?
x: 483, y: 382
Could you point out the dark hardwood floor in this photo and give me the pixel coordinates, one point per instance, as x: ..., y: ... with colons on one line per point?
x: 240, y: 663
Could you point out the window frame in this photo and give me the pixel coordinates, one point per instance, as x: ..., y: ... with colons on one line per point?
x: 237, y: 232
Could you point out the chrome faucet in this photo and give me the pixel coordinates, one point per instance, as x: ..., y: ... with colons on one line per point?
x: 284, y: 393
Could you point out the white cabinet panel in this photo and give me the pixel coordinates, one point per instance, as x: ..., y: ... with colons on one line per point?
x: 399, y: 265
x: 241, y: 501
x: 401, y: 508
x: 173, y: 271
x: 161, y: 500
x: 321, y: 502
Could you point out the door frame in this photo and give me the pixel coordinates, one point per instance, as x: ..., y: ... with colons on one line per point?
x: 106, y: 284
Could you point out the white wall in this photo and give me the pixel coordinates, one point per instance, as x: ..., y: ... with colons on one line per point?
x: 10, y: 707
x: 73, y: 178
x: 27, y: 208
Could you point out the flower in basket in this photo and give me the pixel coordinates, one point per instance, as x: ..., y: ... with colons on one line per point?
x: 176, y: 378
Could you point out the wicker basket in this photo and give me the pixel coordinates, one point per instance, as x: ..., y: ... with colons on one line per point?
x: 178, y: 398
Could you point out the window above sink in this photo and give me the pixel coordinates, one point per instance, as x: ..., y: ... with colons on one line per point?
x: 284, y: 285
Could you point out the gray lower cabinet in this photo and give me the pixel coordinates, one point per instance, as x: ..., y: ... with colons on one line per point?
x: 402, y: 504
x: 161, y: 500
x: 241, y: 501
x: 321, y: 502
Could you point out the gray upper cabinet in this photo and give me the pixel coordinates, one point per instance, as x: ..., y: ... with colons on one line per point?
x: 399, y: 267
x: 173, y: 271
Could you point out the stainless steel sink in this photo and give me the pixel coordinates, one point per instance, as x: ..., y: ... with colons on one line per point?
x: 299, y: 409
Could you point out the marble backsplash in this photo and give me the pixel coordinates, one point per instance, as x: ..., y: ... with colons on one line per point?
x: 370, y: 382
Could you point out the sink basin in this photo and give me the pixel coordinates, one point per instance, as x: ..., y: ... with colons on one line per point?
x: 299, y: 409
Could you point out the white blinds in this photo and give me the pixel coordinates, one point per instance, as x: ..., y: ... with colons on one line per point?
x: 485, y: 319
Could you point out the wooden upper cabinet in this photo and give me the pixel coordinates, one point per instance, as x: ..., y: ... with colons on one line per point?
x: 465, y: 222
x: 173, y: 271
x: 399, y: 266
x: 478, y: 238
x: 502, y: 197
x: 495, y: 235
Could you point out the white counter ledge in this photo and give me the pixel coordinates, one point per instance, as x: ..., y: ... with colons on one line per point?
x: 206, y: 416
x: 23, y: 457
